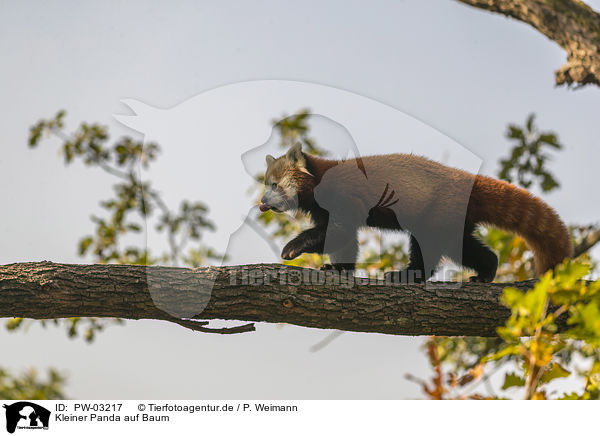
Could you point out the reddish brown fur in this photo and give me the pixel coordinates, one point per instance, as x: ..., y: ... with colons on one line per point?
x: 511, y: 208
x: 429, y: 189
x: 492, y: 202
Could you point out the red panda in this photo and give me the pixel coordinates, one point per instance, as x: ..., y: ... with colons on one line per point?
x: 439, y: 206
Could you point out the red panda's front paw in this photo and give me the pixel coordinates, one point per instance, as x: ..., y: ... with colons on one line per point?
x: 292, y: 250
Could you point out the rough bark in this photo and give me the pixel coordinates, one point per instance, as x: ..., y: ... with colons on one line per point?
x: 267, y: 293
x: 570, y: 23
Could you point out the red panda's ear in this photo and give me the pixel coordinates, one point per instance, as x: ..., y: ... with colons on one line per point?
x: 295, y: 155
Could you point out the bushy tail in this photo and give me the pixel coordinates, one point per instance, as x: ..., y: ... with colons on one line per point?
x: 511, y: 208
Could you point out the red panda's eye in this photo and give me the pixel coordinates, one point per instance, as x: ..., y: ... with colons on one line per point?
x: 273, y: 185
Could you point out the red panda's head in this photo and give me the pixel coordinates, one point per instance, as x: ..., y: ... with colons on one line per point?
x: 286, y: 179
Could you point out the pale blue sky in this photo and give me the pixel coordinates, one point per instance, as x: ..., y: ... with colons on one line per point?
x: 464, y: 72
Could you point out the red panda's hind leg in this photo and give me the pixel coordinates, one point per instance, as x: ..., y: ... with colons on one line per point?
x: 344, y: 259
x: 338, y: 267
x: 415, y: 271
x: 479, y: 257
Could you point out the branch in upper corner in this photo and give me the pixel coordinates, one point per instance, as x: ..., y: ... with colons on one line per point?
x: 570, y: 23
x: 589, y: 240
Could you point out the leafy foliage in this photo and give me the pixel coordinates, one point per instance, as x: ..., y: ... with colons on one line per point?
x: 515, y: 260
x: 86, y: 327
x: 531, y: 333
x: 553, y: 333
x: 444, y: 384
x: 296, y: 128
x: 28, y: 386
x: 134, y: 201
x: 527, y: 161
x: 548, y: 356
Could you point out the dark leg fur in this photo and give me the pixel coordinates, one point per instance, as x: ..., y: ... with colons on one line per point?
x: 309, y: 241
x: 345, y: 258
x: 477, y: 256
x: 415, y: 271
x: 313, y: 241
x: 338, y: 267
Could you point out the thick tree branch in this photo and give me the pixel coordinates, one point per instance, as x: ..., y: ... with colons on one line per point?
x: 570, y: 23
x: 267, y: 293
x: 588, y: 242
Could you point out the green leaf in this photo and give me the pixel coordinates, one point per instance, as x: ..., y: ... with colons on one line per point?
x: 84, y: 244
x: 510, y: 296
x: 571, y: 396
x: 586, y: 318
x: 530, y: 120
x: 505, y: 351
x: 550, y: 139
x: 527, y: 158
x: 555, y: 371
x: 511, y: 380
x: 569, y: 273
